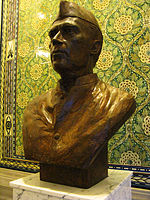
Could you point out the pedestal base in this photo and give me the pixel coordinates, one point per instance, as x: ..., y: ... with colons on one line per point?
x: 76, y: 177
x: 115, y: 187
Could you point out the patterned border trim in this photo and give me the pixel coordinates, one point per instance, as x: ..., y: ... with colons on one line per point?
x: 141, y: 180
x: 141, y: 175
x: 130, y: 168
x: 22, y: 165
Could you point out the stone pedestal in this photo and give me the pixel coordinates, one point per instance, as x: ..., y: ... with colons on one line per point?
x: 117, y: 186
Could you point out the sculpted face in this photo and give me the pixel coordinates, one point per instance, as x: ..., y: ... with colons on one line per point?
x: 70, y: 44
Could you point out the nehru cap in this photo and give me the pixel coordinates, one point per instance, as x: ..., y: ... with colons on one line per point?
x: 70, y: 9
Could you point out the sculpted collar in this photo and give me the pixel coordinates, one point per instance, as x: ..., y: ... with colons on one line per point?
x: 87, y: 79
x: 83, y: 80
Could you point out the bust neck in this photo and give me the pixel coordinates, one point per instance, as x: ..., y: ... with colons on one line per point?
x: 66, y: 85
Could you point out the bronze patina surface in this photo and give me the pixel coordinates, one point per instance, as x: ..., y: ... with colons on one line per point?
x: 67, y: 129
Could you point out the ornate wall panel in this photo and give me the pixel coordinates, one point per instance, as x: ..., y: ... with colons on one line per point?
x: 26, y: 71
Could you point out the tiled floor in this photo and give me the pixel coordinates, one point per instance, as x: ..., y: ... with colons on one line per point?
x: 7, y: 175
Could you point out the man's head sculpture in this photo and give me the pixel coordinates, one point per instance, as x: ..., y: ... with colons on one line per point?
x: 67, y: 128
x: 76, y: 39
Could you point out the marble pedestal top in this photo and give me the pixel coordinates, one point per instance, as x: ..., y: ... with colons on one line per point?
x: 117, y: 186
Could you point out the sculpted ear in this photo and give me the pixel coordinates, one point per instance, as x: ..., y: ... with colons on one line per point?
x: 96, y: 47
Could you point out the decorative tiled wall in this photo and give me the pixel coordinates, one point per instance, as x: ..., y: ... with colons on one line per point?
x: 26, y: 71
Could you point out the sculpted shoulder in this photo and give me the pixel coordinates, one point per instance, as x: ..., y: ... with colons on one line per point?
x: 109, y: 97
x: 34, y: 107
x: 121, y: 97
x: 116, y: 94
x: 115, y: 105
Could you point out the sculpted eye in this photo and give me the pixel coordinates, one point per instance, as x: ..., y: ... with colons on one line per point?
x: 69, y: 30
x: 52, y: 33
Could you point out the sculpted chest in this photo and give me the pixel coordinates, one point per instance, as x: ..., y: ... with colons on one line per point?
x: 70, y: 129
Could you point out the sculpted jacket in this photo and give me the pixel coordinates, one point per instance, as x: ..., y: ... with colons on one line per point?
x: 71, y: 129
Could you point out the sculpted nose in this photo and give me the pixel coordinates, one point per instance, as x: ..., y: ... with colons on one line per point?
x: 57, y: 39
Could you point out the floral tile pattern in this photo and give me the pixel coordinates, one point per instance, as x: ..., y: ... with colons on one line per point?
x: 26, y: 70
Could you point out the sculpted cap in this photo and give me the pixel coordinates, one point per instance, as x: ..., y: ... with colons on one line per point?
x: 70, y: 9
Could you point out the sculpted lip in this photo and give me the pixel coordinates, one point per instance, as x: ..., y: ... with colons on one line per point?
x: 58, y: 54
x: 55, y: 52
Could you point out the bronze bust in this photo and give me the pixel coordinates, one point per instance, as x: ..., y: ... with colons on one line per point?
x: 67, y: 129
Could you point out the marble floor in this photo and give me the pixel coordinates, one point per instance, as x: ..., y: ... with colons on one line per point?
x: 7, y: 175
